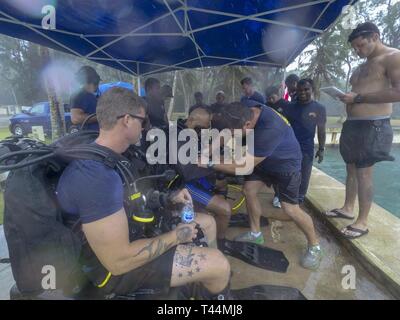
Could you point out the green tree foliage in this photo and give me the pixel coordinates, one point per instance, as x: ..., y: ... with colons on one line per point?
x: 329, y: 60
x: 20, y: 67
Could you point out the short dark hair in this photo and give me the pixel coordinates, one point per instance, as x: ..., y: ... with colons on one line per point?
x: 272, y: 90
x: 365, y: 30
x: 231, y: 116
x: 87, y: 75
x: 116, y: 102
x: 201, y: 109
x: 246, y: 80
x: 198, y: 94
x: 150, y: 82
x: 166, y: 90
x: 292, y: 78
x: 304, y: 81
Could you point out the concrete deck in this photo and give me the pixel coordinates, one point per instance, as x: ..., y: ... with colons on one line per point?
x: 323, y: 284
x: 6, y: 278
x: 378, y: 251
x: 326, y: 283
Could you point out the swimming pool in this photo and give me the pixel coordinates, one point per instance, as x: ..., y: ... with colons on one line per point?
x: 386, y: 177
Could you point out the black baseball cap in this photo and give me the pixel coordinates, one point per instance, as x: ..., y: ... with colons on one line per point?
x: 363, y: 29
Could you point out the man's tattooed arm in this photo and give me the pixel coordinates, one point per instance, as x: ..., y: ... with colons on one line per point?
x: 184, y: 234
x: 155, y: 247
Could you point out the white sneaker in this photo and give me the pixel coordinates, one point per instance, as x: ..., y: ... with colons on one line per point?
x: 276, y: 203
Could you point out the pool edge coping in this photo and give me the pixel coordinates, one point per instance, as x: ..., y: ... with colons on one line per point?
x: 374, y: 265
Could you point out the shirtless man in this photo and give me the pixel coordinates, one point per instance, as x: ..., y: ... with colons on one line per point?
x: 367, y: 134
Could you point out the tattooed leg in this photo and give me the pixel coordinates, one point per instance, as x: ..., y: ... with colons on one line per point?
x: 205, y: 265
x: 209, y: 227
x: 155, y: 248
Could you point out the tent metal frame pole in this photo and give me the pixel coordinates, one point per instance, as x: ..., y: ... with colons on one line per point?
x: 248, y: 59
x: 144, y: 34
x: 42, y: 34
x: 183, y: 30
x: 110, y: 56
x: 315, y: 22
x: 186, y: 31
x: 171, y: 66
x: 254, y: 17
x: 29, y: 26
x: 283, y: 80
x: 198, y: 48
x: 131, y: 33
x: 135, y: 61
x: 138, y: 78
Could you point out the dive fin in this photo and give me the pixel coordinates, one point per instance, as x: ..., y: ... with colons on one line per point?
x: 268, y: 292
x: 241, y: 220
x: 256, y: 255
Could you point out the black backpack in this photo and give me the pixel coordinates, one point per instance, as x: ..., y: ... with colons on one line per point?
x: 34, y: 229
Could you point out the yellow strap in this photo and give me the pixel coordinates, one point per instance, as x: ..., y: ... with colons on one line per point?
x: 135, y: 196
x: 283, y: 118
x: 241, y: 200
x: 101, y: 285
x: 139, y: 219
x: 172, y: 181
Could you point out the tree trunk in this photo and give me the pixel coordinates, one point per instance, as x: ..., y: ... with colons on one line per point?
x: 171, y: 103
x: 57, y: 127
x: 233, y: 83
x: 185, y: 97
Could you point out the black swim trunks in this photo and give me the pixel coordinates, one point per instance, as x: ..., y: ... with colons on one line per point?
x: 287, y: 183
x: 365, y: 142
x: 155, y: 275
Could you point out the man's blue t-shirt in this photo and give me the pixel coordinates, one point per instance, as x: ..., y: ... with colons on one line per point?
x: 274, y: 139
x: 256, y: 96
x: 89, y: 190
x: 304, y: 118
x: 87, y: 102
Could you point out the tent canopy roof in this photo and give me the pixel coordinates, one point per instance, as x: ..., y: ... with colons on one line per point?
x: 149, y: 36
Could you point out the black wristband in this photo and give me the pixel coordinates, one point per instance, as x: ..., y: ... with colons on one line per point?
x: 358, y: 99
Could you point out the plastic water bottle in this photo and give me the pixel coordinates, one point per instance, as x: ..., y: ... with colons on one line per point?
x: 187, y: 214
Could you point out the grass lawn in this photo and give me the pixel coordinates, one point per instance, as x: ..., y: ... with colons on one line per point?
x: 4, y: 133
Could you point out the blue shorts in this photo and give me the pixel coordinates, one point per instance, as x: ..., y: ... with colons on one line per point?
x: 201, y: 191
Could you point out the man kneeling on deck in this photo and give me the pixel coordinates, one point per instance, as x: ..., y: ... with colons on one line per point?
x: 200, y: 118
x: 276, y: 159
x: 93, y: 193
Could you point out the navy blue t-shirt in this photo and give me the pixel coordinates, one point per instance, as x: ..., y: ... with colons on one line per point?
x: 87, y: 102
x: 304, y: 118
x: 156, y: 112
x: 256, y: 96
x: 280, y: 106
x: 89, y: 190
x: 274, y: 139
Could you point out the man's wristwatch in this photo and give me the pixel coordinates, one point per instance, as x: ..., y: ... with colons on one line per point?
x: 358, y: 98
x: 321, y: 149
x: 210, y: 165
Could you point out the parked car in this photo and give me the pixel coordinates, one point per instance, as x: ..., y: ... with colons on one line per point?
x: 38, y: 115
